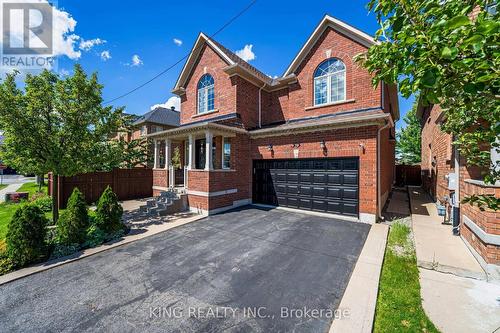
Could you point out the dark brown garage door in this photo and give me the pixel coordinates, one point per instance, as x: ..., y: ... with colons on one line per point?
x: 323, y: 185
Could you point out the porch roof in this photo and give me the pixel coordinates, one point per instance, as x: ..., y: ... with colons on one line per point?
x: 350, y: 119
x: 185, y: 130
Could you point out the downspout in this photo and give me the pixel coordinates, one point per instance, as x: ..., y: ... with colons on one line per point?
x: 260, y: 106
x: 379, y: 194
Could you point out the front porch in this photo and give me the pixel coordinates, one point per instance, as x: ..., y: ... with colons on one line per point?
x: 207, y: 168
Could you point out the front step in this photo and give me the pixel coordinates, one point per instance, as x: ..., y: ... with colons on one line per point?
x: 167, y: 203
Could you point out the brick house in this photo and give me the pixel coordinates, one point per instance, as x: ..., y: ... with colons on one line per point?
x: 445, y: 176
x: 318, y: 138
x: 156, y: 120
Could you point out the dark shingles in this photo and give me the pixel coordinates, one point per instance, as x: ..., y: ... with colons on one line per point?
x: 159, y: 115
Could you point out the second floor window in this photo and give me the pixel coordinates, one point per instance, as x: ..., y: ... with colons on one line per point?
x: 206, y: 94
x: 329, y: 82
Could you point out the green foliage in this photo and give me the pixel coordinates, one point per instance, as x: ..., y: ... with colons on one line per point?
x: 409, y: 139
x: 436, y: 49
x: 176, y: 158
x: 95, y: 236
x: 73, y: 223
x: 134, y: 153
x: 399, y: 305
x: 57, y: 124
x: 109, y: 212
x: 43, y: 202
x: 26, y: 235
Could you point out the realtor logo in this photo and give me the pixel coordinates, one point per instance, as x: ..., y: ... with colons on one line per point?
x: 27, y: 34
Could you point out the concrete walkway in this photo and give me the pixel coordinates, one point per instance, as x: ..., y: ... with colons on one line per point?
x: 454, y: 292
x: 8, y: 189
x: 435, y: 244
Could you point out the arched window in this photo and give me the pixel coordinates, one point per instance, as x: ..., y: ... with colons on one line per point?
x: 329, y: 82
x: 206, y: 94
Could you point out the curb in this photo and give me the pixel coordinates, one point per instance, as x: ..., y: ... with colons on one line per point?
x: 360, y: 297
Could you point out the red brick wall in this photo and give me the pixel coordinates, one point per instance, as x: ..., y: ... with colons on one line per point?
x: 387, y: 161
x: 340, y: 143
x: 224, y: 87
x: 435, y: 144
x: 247, y: 97
x: 160, y: 178
x: 289, y: 105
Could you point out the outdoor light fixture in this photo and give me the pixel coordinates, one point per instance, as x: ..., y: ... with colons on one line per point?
x: 322, y: 144
x: 270, y: 147
x: 362, y: 146
x: 296, y: 145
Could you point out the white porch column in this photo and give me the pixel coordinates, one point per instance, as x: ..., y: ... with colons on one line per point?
x: 156, y: 159
x: 208, y: 148
x: 168, y: 153
x: 191, y: 152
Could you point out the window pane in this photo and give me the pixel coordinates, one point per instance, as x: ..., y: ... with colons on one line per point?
x: 320, y: 92
x: 201, y: 101
x: 337, y: 92
x: 210, y: 102
x: 226, y: 157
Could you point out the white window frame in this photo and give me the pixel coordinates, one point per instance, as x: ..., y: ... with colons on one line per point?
x: 223, y: 152
x: 329, y: 86
x: 144, y: 130
x: 205, y: 92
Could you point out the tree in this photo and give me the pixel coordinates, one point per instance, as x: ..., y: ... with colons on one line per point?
x: 409, y: 139
x: 109, y: 212
x: 72, y: 226
x: 449, y: 55
x: 26, y: 235
x: 133, y: 152
x: 57, y: 125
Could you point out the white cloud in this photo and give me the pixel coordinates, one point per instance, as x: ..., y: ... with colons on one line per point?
x: 86, y: 45
x: 64, y: 72
x: 136, y: 61
x: 105, y: 55
x: 172, y: 101
x: 246, y: 53
x: 65, y: 42
x: 177, y: 41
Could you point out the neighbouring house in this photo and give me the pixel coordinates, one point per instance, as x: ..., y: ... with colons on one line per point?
x: 156, y: 120
x: 318, y: 138
x: 446, y: 177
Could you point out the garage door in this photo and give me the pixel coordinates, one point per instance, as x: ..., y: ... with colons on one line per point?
x: 323, y: 185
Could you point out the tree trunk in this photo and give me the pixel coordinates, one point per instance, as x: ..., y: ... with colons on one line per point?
x: 55, y: 203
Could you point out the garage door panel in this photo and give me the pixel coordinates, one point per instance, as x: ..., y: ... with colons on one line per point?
x: 324, y: 185
x: 349, y: 193
x: 350, y: 209
x: 350, y: 179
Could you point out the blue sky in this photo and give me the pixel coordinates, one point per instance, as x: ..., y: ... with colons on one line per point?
x: 276, y: 29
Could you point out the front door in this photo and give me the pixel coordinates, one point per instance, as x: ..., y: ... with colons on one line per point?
x: 200, y: 154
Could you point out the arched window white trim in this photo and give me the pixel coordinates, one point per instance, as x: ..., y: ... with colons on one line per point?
x: 206, y: 94
x: 330, y: 82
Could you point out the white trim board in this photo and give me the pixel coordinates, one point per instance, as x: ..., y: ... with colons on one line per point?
x: 211, y: 194
x: 487, y: 238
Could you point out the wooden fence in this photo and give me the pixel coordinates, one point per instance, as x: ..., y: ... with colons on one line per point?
x: 408, y: 175
x: 126, y: 183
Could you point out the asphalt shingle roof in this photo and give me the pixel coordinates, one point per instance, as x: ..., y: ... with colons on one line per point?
x: 162, y: 116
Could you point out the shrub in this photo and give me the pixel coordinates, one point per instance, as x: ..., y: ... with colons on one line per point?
x: 26, y: 235
x: 43, y: 202
x: 73, y: 222
x: 95, y: 236
x: 109, y: 212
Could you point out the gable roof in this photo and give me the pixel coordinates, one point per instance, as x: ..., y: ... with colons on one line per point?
x: 337, y: 25
x: 236, y: 66
x: 161, y: 116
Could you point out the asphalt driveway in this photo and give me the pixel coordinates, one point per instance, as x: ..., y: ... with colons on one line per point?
x: 247, y: 270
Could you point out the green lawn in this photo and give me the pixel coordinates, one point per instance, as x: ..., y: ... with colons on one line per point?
x: 7, y: 210
x: 399, y: 306
x: 2, y: 186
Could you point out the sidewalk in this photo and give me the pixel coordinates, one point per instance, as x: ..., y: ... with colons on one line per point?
x: 455, y: 293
